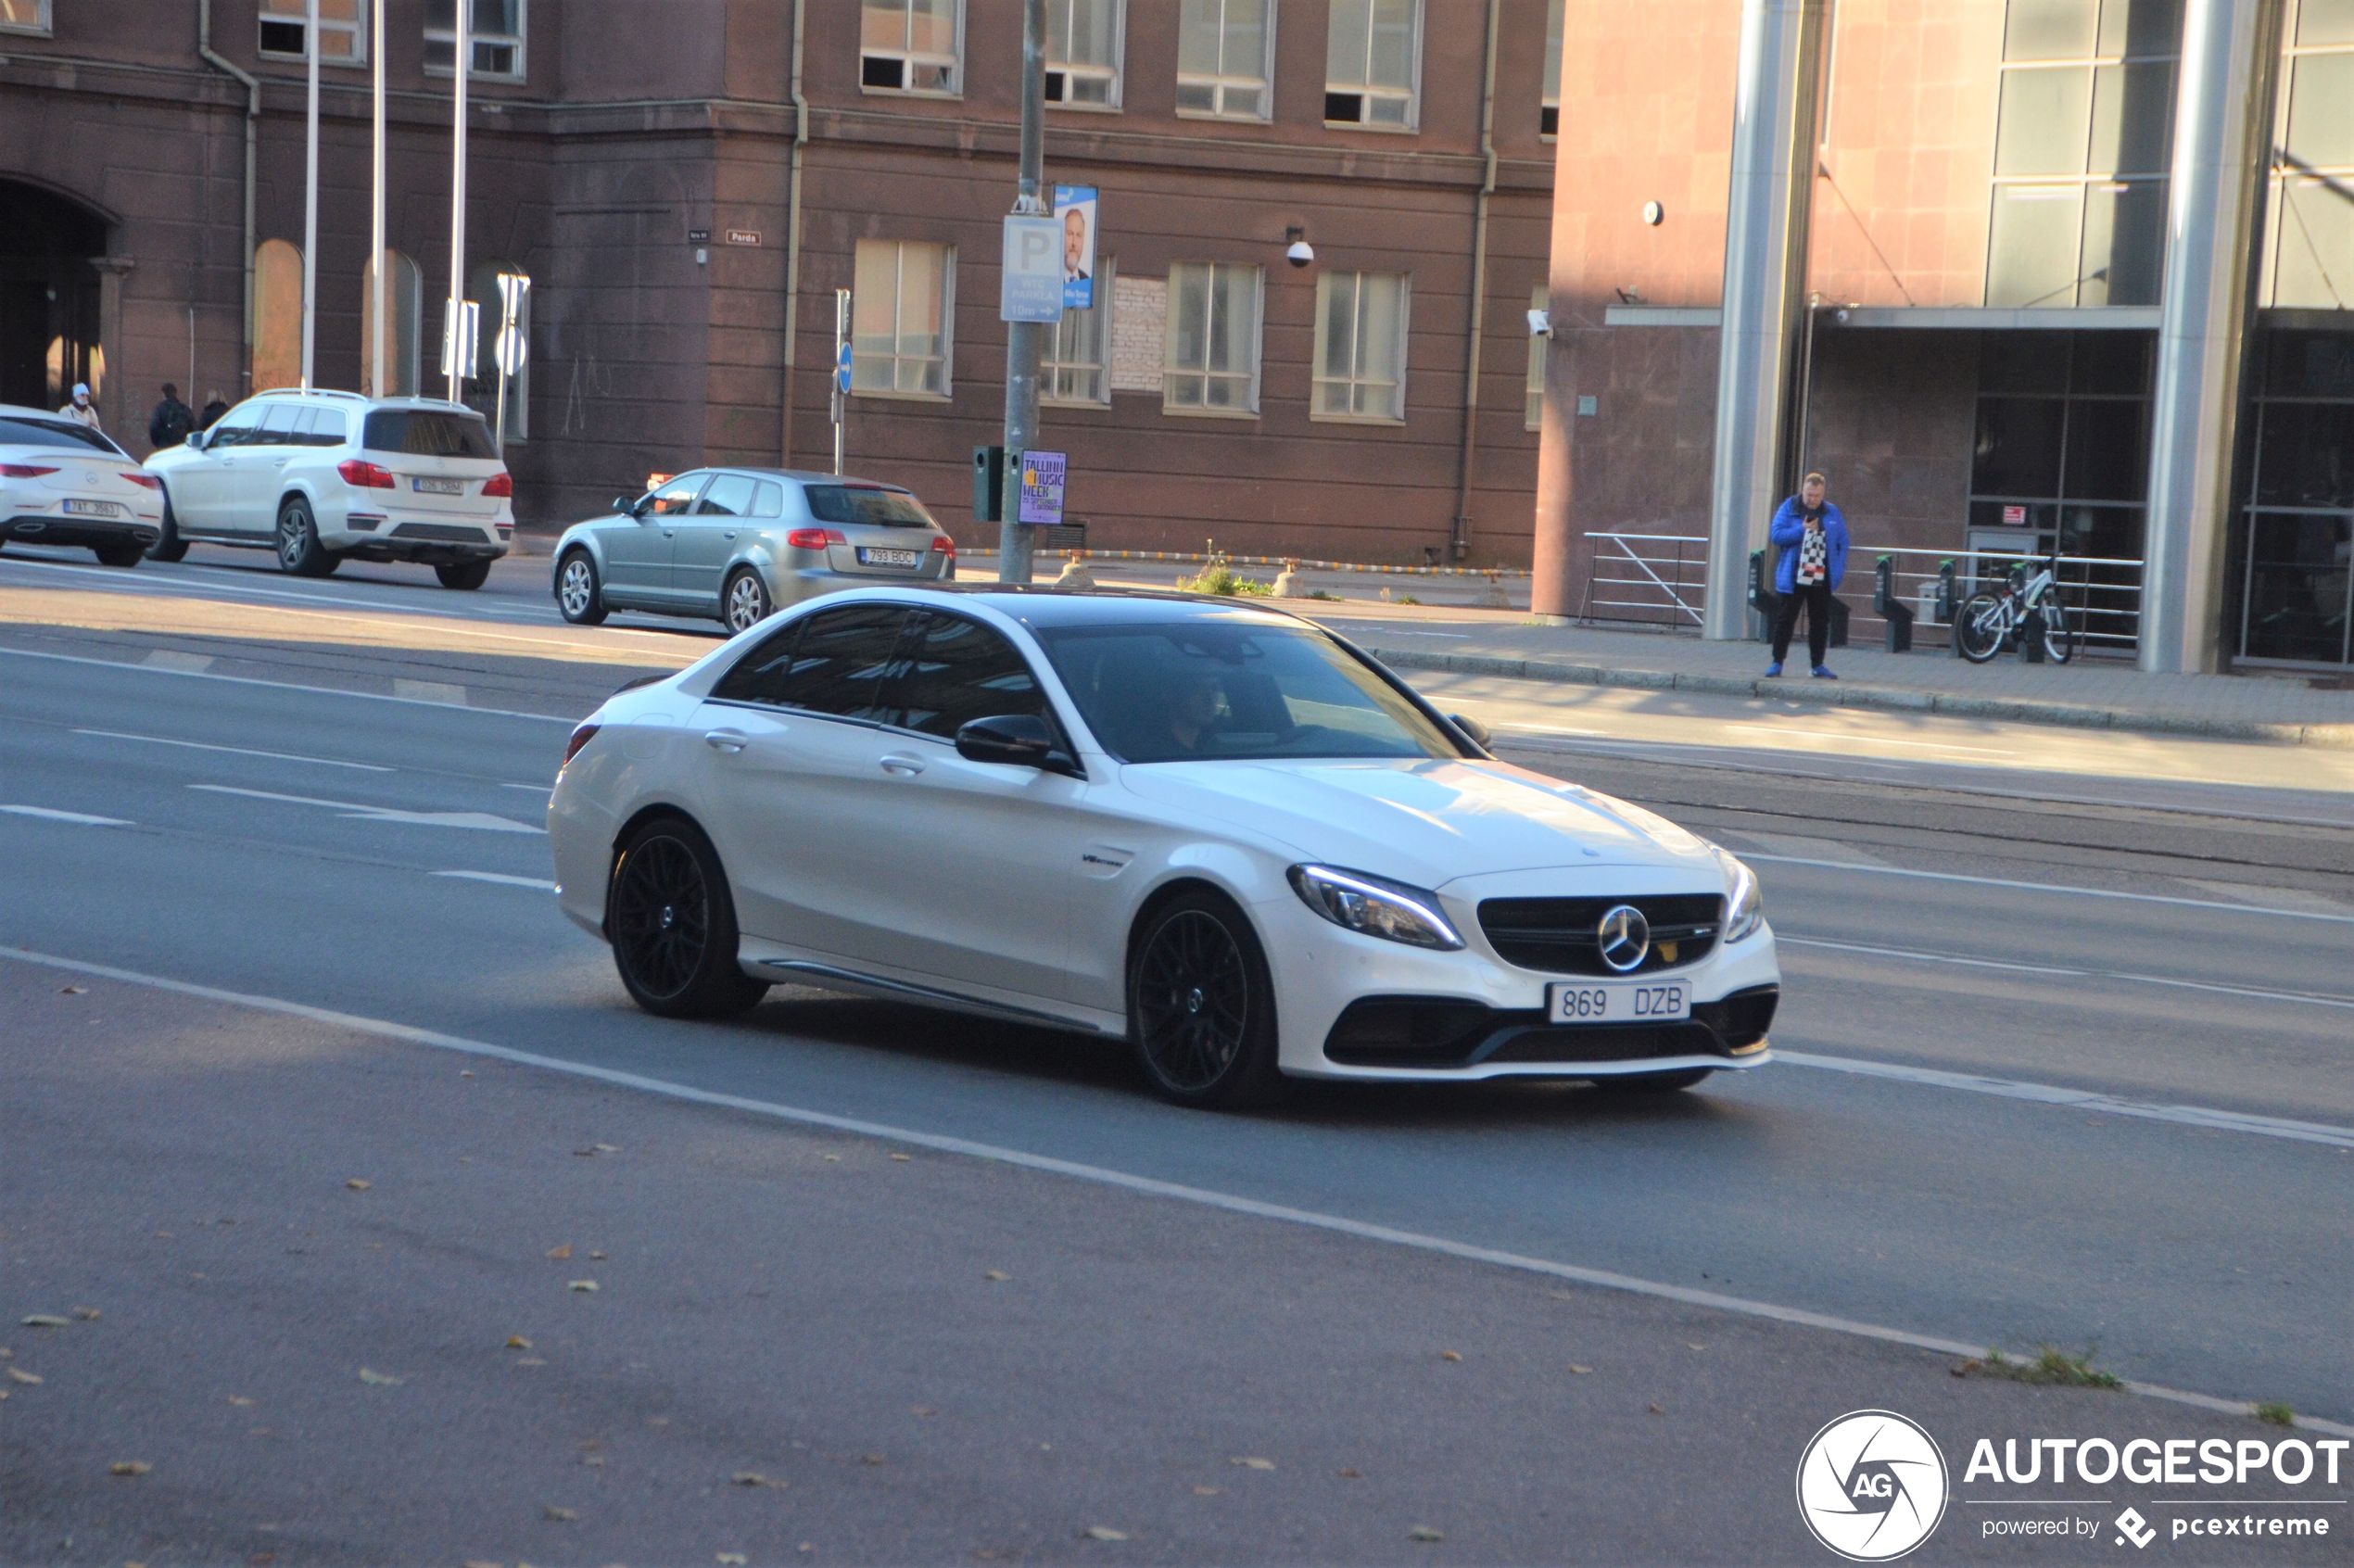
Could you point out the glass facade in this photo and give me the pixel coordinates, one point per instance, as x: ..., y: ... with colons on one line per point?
x: 2296, y: 588
x: 2309, y: 246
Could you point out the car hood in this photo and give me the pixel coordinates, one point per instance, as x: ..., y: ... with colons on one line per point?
x: 1426, y: 822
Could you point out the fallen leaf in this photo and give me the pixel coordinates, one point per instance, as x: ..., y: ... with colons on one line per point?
x: 530, y: 1361
x: 517, y: 1342
x: 1658, y: 1409
x: 1209, y: 1491
x: 1575, y: 1368
x: 239, y: 1401
x: 465, y: 1072
x: 1423, y: 1533
x: 377, y: 1379
x: 1695, y: 1346
x: 47, y: 1321
x: 73, y: 991
x: 870, y: 1459
x: 836, y: 1158
x: 902, y: 1160
x: 1252, y: 1463
x: 358, y: 1185
x: 606, y: 1149
x: 560, y: 1515
x: 1450, y: 1355
x: 128, y: 1467
x: 998, y: 1274
x: 18, y: 1374
x: 1106, y: 1532
x: 597, y: 1258
x: 749, y: 1478
x: 560, y: 1252
x: 1350, y: 1473
x: 732, y: 1557
x: 584, y: 1285
x: 87, y: 1314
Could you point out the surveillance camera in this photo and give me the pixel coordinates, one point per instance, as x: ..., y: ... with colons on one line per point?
x: 1300, y: 254
x: 1540, y: 324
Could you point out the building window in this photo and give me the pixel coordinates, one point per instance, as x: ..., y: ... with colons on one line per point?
x: 1534, y: 417
x: 1373, y: 56
x: 2309, y: 250
x: 404, y: 307
x: 2297, y: 592
x: 904, y: 298
x: 1084, y: 52
x: 25, y: 16
x: 343, y: 31
x: 911, y: 46
x: 1549, y: 119
x: 1360, y: 346
x: 1075, y: 352
x: 2082, y: 143
x: 1213, y: 338
x: 497, y: 38
x: 1226, y: 57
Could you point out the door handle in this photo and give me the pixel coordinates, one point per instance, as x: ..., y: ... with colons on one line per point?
x: 666, y: 533
x: 728, y: 741
x: 899, y: 765
x: 728, y: 536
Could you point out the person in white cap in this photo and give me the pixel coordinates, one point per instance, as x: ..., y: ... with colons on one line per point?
x: 80, y: 410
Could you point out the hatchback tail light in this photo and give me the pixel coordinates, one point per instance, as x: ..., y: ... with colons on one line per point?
x: 815, y: 539
x: 23, y: 471
x: 580, y: 737
x: 366, y: 476
x: 942, y: 543
x: 499, y: 485
x: 145, y: 480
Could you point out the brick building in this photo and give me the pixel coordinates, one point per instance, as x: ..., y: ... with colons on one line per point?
x: 649, y: 167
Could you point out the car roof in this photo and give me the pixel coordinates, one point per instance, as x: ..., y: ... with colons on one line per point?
x: 21, y: 410
x: 1044, y: 607
x: 436, y: 405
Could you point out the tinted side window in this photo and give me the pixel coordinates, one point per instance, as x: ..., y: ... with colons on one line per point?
x: 730, y: 496
x: 326, y: 428
x: 234, y: 428
x: 771, y: 502
x: 428, y: 433
x: 277, y: 426
x: 19, y: 432
x: 675, y: 498
x: 840, y: 662
x: 959, y: 671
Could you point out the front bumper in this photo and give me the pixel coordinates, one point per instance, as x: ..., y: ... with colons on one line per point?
x: 84, y: 533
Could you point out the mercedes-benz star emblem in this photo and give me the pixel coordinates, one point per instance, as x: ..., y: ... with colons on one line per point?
x: 1625, y: 938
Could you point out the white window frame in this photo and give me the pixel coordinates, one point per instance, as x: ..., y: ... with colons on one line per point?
x: 518, y: 39
x: 908, y: 55
x: 295, y: 12
x: 1320, y: 379
x: 898, y: 314
x: 1116, y: 73
x: 1171, y: 370
x: 1539, y: 345
x: 1050, y: 359
x: 1366, y: 92
x: 40, y: 27
x: 1223, y: 78
x: 1556, y: 35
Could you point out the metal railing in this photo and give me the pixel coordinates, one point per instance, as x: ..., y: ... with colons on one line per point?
x: 1661, y: 579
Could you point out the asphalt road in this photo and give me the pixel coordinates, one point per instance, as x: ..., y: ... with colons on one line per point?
x: 2064, y: 1061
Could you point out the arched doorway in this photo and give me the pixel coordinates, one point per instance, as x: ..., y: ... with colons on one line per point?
x: 49, y: 330
x: 277, y: 315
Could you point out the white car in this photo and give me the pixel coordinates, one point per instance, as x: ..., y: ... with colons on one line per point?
x: 322, y: 477
x: 62, y: 483
x: 1216, y: 832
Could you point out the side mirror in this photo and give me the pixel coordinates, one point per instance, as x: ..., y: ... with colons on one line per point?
x: 1022, y: 739
x: 626, y: 506
x: 1471, y: 727
x: 195, y: 441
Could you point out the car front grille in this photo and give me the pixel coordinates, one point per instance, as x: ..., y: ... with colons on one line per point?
x: 441, y: 531
x: 1560, y: 936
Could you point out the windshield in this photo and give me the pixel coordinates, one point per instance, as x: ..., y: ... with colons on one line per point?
x: 1179, y: 692
x: 427, y: 432
x: 54, y: 433
x: 876, y: 508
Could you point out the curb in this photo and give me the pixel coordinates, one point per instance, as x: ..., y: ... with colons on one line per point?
x: 1843, y: 694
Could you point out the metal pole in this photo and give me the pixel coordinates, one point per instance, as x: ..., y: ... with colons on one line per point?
x: 310, y: 192
x: 453, y: 313
x: 1014, y: 539
x: 792, y: 237
x: 833, y: 376
x: 376, y: 210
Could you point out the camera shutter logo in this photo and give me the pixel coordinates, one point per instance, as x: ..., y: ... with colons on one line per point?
x: 1624, y: 938
x: 1872, y: 1486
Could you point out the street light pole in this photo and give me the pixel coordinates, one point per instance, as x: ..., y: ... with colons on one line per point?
x: 310, y: 192
x: 453, y: 320
x: 1014, y: 538
x: 377, y: 311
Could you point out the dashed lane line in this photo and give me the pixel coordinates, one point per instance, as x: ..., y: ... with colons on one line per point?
x: 2053, y: 888
x: 541, y: 883
x: 236, y: 751
x: 2306, y: 998
x: 481, y: 820
x: 1100, y: 1175
x: 279, y: 685
x: 50, y: 814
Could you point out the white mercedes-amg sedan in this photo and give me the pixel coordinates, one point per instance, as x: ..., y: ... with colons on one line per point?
x: 1216, y: 833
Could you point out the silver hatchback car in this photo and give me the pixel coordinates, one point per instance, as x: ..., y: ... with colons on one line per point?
x: 734, y: 544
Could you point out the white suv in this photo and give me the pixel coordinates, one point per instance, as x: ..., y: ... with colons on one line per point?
x: 318, y: 476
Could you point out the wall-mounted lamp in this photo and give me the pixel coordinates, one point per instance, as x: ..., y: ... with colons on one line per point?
x: 1299, y: 253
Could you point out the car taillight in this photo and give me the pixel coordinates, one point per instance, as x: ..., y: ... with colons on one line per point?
x: 23, y: 470
x: 145, y: 480
x: 580, y: 737
x: 942, y: 543
x: 815, y: 539
x: 365, y: 474
x: 499, y: 485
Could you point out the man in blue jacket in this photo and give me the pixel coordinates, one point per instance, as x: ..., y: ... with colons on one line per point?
x: 1810, y: 538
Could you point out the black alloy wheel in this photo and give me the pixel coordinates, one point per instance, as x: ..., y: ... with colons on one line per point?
x: 673, y: 925
x: 1201, y: 1005
x: 465, y: 576
x: 299, y: 551
x: 168, y: 545
x: 579, y: 596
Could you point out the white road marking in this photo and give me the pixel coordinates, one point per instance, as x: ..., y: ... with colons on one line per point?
x: 2083, y: 1099
x: 431, y: 691
x: 49, y: 813
x: 2308, y: 998
x: 1509, y: 729
x: 274, y: 685
x: 481, y: 820
x: 535, y: 789
x: 501, y: 878
x: 1795, y: 845
x: 1150, y: 1186
x: 1871, y: 739
x: 239, y: 750
x: 166, y: 658
x: 2054, y: 888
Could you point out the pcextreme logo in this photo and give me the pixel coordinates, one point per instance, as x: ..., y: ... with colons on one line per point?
x: 1872, y: 1486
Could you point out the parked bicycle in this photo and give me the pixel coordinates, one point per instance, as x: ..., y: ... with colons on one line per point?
x: 1988, y: 621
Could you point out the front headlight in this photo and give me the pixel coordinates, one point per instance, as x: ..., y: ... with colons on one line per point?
x: 1375, y: 907
x: 1744, y: 903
